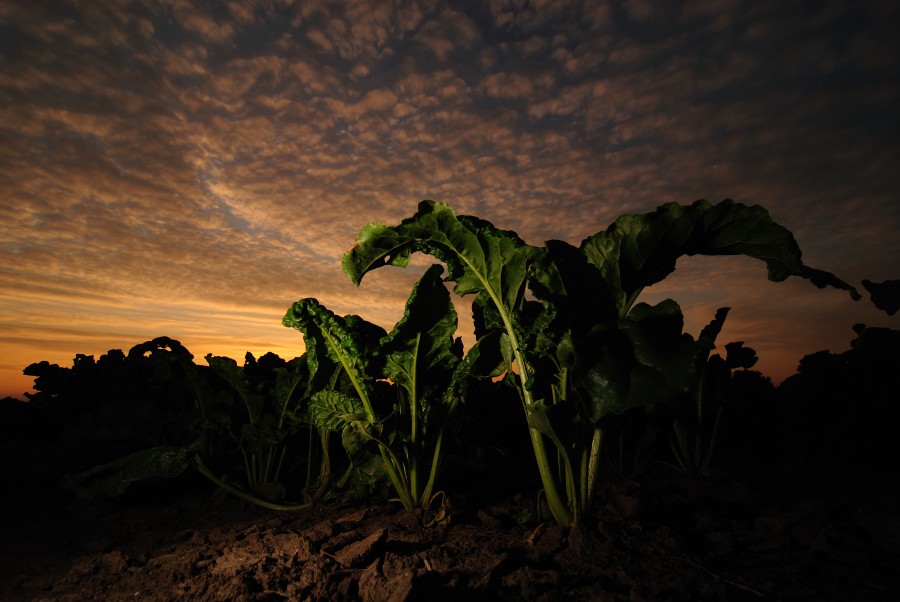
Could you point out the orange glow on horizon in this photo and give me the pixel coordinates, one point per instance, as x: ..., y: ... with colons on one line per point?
x: 195, y: 177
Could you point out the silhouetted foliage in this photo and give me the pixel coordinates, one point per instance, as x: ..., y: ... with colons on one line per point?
x: 840, y: 411
x: 837, y: 415
x: 97, y: 411
x: 748, y: 424
x: 885, y: 295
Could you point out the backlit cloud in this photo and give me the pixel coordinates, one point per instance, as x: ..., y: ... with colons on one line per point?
x: 189, y: 169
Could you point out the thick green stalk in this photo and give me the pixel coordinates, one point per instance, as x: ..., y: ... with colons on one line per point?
x: 325, y: 466
x: 558, y: 506
x: 414, y: 427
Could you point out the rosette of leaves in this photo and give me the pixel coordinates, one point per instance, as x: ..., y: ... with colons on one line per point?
x: 585, y: 348
x: 420, y: 358
x: 267, y: 410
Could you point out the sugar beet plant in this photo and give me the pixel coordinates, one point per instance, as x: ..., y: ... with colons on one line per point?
x: 392, y: 391
x: 262, y: 416
x: 582, y: 347
x: 696, y: 425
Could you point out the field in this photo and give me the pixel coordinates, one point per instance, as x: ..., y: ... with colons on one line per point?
x: 662, y: 538
x: 584, y: 447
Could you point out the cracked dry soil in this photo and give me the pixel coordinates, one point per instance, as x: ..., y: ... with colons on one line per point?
x: 674, y: 540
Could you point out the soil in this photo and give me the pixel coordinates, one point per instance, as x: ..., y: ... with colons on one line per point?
x: 670, y: 538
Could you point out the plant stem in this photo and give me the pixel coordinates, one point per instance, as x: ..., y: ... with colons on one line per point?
x: 202, y: 469
x: 400, y: 484
x: 558, y: 506
x: 593, y: 468
x: 414, y: 425
x: 435, y: 462
x: 387, y: 456
x: 309, y: 455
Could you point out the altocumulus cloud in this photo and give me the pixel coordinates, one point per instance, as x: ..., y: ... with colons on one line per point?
x: 190, y: 168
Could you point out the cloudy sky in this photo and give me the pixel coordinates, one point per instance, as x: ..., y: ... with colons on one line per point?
x: 190, y: 168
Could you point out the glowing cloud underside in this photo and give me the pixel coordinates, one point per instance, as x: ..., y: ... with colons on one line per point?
x: 190, y: 169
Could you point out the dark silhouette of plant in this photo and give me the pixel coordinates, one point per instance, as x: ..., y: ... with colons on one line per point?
x: 840, y: 410
x: 885, y: 295
x: 696, y: 426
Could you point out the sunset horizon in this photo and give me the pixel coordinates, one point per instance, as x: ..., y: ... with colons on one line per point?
x: 185, y: 170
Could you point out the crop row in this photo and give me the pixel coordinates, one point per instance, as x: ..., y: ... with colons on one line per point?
x: 561, y: 326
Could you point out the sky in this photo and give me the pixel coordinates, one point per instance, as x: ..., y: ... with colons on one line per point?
x: 190, y: 168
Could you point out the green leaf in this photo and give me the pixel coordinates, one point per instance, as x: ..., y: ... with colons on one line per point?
x: 575, y: 301
x: 345, y: 343
x: 336, y: 411
x: 637, y: 251
x: 573, y: 289
x: 554, y: 421
x: 419, y: 352
x: 358, y: 443
x: 333, y: 410
x: 485, y: 359
x: 230, y: 372
x: 291, y: 380
x: 644, y: 358
x: 614, y: 363
x: 114, y: 478
x: 479, y: 257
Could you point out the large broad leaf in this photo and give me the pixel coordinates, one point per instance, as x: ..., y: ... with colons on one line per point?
x: 614, y: 363
x: 641, y: 359
x: 425, y: 332
x: 637, y: 251
x: 347, y: 342
x: 479, y: 257
x: 575, y: 295
x: 482, y: 360
x: 737, y: 356
x: 420, y: 352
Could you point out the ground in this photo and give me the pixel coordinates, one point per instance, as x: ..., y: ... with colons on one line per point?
x: 671, y: 538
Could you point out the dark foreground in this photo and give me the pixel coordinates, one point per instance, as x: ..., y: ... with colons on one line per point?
x: 675, y: 539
